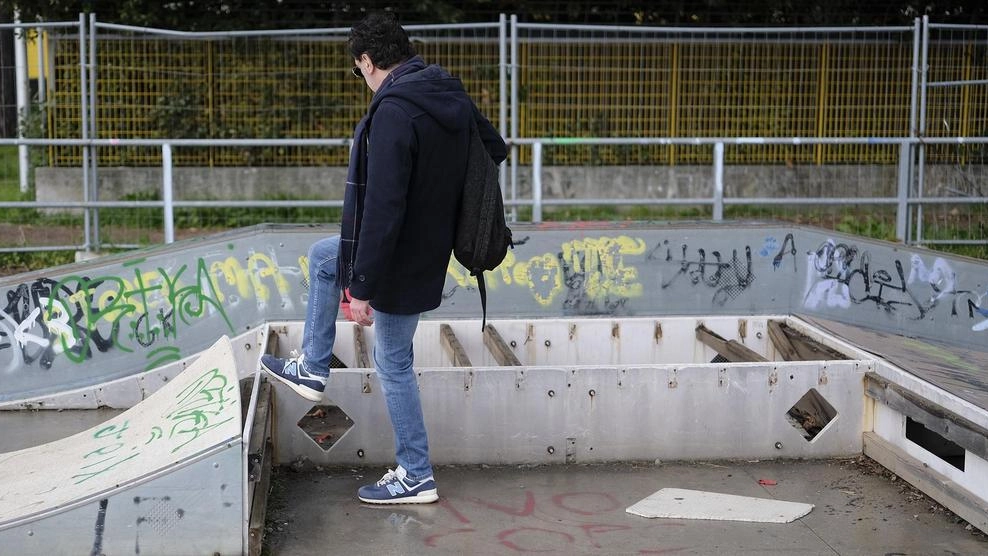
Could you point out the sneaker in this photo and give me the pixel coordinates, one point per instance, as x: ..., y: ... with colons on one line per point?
x: 396, y: 488
x: 292, y: 372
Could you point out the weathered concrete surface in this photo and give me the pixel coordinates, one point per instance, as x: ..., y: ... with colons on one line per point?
x: 860, y: 509
x: 558, y: 182
x: 84, y: 325
x: 161, y: 467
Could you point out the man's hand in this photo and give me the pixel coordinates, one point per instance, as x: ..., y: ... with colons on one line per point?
x: 361, y: 312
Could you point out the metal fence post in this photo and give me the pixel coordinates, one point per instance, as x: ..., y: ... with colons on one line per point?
x: 537, y: 181
x: 514, y: 114
x: 93, y: 155
x: 921, y: 148
x: 913, y: 128
x: 903, y: 179
x: 84, y: 133
x: 718, y: 181
x: 166, y: 192
x: 502, y: 62
x: 23, y: 102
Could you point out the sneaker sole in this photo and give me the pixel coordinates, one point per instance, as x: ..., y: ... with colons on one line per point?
x: 306, y: 393
x: 426, y: 497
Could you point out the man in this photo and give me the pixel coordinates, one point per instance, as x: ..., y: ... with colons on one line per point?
x: 404, y: 183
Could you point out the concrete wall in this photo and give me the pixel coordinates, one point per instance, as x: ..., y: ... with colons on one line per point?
x: 105, y: 319
x: 559, y: 182
x: 65, y: 184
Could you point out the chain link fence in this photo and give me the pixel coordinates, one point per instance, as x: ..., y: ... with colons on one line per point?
x: 627, y: 119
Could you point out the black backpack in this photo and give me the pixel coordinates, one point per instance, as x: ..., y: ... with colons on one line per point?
x: 482, y: 235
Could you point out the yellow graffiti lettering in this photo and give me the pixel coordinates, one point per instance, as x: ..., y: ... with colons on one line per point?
x: 261, y: 266
x: 542, y: 275
x: 504, y: 269
x: 303, y: 263
x: 234, y: 275
x: 602, y: 262
x: 459, y: 274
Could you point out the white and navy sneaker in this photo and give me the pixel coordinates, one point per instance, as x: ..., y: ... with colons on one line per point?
x: 292, y: 372
x: 396, y: 488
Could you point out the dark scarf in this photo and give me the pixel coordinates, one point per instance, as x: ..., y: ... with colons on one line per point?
x: 353, y: 204
x: 356, y: 179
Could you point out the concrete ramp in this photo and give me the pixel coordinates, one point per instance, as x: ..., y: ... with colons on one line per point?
x: 164, y: 477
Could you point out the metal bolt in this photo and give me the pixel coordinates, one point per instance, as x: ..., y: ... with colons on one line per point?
x: 551, y: 450
x: 514, y: 343
x: 360, y: 453
x: 592, y: 393
x: 552, y: 393
x: 778, y: 445
x: 548, y: 343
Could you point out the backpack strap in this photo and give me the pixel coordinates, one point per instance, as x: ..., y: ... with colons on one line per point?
x: 483, y: 298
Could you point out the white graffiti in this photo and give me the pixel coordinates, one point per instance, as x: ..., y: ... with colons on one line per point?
x: 940, y: 278
x: 979, y: 302
x: 827, y: 287
x: 19, y: 336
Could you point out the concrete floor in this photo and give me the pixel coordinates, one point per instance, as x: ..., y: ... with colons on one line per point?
x: 860, y: 508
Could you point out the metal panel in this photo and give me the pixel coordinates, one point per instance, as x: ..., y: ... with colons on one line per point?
x: 586, y: 414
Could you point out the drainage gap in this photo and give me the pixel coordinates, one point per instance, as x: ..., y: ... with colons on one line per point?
x: 935, y: 444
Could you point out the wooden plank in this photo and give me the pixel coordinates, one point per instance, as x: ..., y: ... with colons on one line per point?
x: 260, y: 428
x: 499, y: 349
x: 781, y: 341
x: 360, y: 348
x: 258, y: 506
x: 963, y: 432
x: 810, y: 349
x: 259, y: 458
x: 733, y: 351
x: 453, y: 347
x: 966, y: 505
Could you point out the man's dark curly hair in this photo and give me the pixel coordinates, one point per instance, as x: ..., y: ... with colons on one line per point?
x: 379, y: 36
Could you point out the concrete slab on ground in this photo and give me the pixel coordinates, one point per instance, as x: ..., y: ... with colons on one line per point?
x: 580, y: 509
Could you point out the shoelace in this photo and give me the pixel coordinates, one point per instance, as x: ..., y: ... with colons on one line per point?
x: 387, y: 478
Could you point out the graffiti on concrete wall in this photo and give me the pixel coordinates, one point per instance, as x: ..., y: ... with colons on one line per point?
x: 141, y: 308
x: 842, y: 276
x: 156, y: 308
x: 728, y: 277
x: 591, y: 276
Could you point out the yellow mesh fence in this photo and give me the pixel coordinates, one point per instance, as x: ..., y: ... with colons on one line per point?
x: 569, y: 86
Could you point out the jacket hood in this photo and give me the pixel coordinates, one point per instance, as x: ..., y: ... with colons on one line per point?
x: 432, y: 89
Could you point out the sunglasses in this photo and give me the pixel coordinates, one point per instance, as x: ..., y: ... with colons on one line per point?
x: 356, y: 72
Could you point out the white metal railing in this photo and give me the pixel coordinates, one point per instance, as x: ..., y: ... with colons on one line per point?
x: 717, y: 200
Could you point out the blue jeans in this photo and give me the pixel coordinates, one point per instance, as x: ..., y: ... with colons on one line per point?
x: 393, y: 356
x: 393, y: 360
x: 319, y: 335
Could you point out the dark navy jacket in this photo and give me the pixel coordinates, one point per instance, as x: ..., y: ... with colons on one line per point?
x: 416, y: 165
